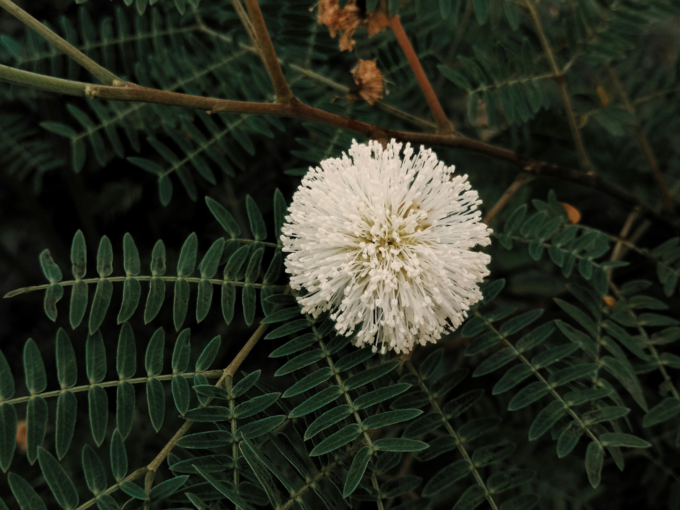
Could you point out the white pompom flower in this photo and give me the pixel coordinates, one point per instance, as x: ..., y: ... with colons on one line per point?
x: 385, y: 241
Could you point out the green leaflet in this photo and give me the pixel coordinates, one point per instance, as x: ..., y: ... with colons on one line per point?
x: 66, y: 413
x: 396, y: 444
x: 261, y: 427
x: 180, y: 304
x: 34, y: 368
x: 24, y: 493
x: 36, y: 419
x: 462, y: 403
x: 400, y: 485
x: 98, y: 407
x: 167, y: 488
x: 471, y: 498
x: 58, y: 481
x: 181, y: 352
x: 594, y: 460
x: 155, y: 398
x: 520, y: 322
x: 181, y: 393
x: 208, y: 355
x: 93, y: 468
x: 118, y: 455
x: 205, y: 440
x: 356, y: 471
x: 225, y: 219
x: 224, y: 490
x: 95, y: 358
x: 249, y: 298
x: 327, y: 419
x: 390, y: 418
x: 308, y: 382
x: 8, y: 435
x: 126, y: 354
x: 316, y: 401
x: 125, y: 408
x: 546, y: 418
x: 288, y: 329
x: 337, y: 440
x: 301, y: 361
x: 255, y: 405
x: 153, y: 360
x: 528, y: 395
x: 370, y: 375
x: 246, y: 384
x: 295, y: 345
x: 67, y: 369
x: 208, y: 414
x: 447, y: 477
x: 217, y: 463
x: 257, y: 224
x: 505, y: 480
x: 262, y: 474
x: 665, y: 410
x: 78, y: 307
x: 568, y: 439
x: 374, y: 397
x: 512, y: 378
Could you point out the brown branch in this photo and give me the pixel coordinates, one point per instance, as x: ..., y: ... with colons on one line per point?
x: 562, y: 85
x: 264, y: 43
x: 641, y: 138
x: 444, y: 126
x: 297, y: 109
x: 519, y: 181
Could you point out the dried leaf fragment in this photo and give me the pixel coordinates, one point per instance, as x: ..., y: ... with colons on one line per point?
x: 573, y: 213
x: 345, y: 21
x: 369, y: 82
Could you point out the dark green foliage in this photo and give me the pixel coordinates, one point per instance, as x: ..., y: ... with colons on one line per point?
x: 563, y: 372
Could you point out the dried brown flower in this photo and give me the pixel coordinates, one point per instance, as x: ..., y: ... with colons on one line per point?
x: 369, y: 82
x: 346, y: 21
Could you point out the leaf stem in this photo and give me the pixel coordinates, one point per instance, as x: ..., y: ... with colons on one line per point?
x: 641, y: 137
x: 452, y: 432
x: 103, y: 75
x: 211, y: 374
x: 519, y: 181
x: 561, y: 83
x: 115, y: 279
x: 444, y: 126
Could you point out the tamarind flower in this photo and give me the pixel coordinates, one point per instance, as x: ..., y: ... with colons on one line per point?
x: 384, y: 241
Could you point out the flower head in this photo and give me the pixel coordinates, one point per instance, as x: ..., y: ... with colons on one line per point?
x: 384, y: 241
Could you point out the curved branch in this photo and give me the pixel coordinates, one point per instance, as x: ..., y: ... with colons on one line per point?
x: 297, y: 109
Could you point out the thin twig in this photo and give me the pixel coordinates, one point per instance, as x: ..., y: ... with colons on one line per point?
x: 103, y: 75
x: 562, y: 84
x: 519, y: 181
x: 226, y: 374
x: 264, y: 43
x: 641, y: 137
x: 444, y: 126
